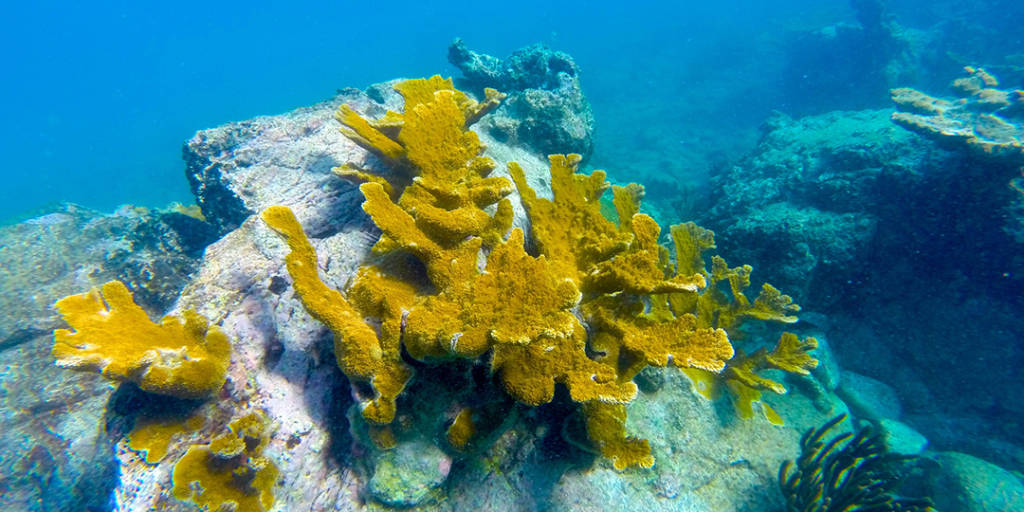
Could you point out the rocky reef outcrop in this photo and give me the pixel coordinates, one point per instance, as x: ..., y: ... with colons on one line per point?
x: 545, y: 109
x: 55, y: 446
x: 801, y: 193
x: 818, y: 205
x: 885, y: 230
x: 282, y: 368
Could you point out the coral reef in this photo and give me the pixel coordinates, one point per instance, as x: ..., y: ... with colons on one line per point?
x: 830, y: 476
x: 985, y: 120
x: 113, y: 335
x: 231, y: 471
x: 52, y: 455
x: 152, y: 436
x: 546, y: 108
x: 442, y: 207
x: 877, y: 227
x: 282, y: 363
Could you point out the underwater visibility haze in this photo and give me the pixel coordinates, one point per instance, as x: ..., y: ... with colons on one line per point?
x: 735, y: 256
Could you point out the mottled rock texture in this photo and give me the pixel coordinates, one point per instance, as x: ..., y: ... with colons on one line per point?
x: 900, y: 243
x: 241, y: 168
x: 968, y: 484
x: 545, y: 109
x: 72, y: 249
x: 55, y: 450
x: 797, y: 207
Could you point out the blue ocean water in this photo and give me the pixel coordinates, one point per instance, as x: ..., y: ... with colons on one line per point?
x: 103, y: 95
x: 769, y: 123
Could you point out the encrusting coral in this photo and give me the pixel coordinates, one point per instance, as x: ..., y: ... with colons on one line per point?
x: 462, y: 429
x: 229, y: 473
x: 152, y: 436
x: 599, y: 302
x: 113, y: 335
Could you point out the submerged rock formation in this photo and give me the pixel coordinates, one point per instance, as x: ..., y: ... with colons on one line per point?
x: 545, y: 109
x: 895, y: 239
x: 55, y: 446
x: 282, y: 367
x: 315, y: 438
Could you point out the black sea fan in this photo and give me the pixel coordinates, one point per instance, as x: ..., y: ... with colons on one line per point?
x: 849, y: 473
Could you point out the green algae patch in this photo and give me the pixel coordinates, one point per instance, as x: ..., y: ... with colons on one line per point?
x: 410, y: 475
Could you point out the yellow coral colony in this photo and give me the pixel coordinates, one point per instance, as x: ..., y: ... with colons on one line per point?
x: 462, y: 429
x: 713, y: 308
x: 152, y: 437
x: 621, y: 270
x: 362, y: 355
x: 745, y: 385
x: 527, y: 312
x: 111, y: 334
x: 231, y: 472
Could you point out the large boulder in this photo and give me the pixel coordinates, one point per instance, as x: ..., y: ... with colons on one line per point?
x: 968, y: 484
x: 802, y: 207
x: 55, y: 446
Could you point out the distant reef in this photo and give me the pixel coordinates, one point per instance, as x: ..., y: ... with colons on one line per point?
x: 909, y: 249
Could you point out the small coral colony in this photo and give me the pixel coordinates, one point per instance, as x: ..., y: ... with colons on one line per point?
x: 596, y: 302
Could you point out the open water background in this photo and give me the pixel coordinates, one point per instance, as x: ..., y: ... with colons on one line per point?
x: 99, y: 96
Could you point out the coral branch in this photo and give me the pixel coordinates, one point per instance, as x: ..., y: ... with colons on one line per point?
x: 985, y: 120
x: 361, y: 355
x: 112, y: 335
